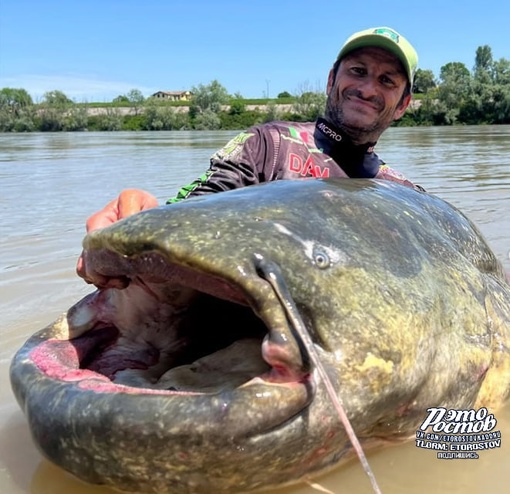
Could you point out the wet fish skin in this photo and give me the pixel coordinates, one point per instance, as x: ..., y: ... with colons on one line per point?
x: 406, y: 303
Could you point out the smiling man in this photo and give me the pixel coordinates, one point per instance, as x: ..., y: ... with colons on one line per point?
x: 370, y: 84
x: 368, y: 88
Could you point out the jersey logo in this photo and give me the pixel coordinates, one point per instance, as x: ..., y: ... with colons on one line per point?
x: 306, y: 168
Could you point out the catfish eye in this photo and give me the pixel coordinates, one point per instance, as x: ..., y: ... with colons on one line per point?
x: 321, y: 259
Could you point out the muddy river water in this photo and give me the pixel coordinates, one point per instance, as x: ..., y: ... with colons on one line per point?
x: 50, y: 183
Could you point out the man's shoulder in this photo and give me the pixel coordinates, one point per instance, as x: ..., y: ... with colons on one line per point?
x: 388, y: 173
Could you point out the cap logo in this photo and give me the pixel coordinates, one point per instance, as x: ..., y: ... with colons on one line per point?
x: 388, y: 33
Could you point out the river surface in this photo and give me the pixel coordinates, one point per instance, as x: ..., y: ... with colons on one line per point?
x: 50, y: 184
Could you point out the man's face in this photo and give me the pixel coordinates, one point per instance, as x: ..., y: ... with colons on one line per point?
x: 366, y: 95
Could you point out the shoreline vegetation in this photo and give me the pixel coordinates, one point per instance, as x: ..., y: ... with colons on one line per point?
x: 458, y: 97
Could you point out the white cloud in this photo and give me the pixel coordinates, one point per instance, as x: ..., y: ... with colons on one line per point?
x: 79, y: 88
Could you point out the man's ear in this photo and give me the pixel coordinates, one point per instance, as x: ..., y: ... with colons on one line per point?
x: 400, y: 110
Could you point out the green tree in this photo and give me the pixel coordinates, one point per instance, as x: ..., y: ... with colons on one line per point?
x: 502, y: 72
x: 488, y: 99
x: 53, y: 111
x: 454, y: 73
x: 237, y: 106
x: 208, y: 97
x: 76, y: 118
x: 309, y: 102
x: 309, y: 105
x: 207, y: 120
x: 424, y: 81
x: 162, y: 117
x: 272, y: 112
x: 136, y: 99
x: 56, y: 99
x: 15, y: 98
x: 109, y: 120
x: 501, y: 100
x: 25, y: 122
x: 484, y: 64
x: 240, y: 121
x: 16, y: 110
x: 453, y: 91
x: 487, y: 104
x: 284, y: 94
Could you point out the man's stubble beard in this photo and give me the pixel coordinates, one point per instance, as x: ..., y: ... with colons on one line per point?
x: 358, y: 134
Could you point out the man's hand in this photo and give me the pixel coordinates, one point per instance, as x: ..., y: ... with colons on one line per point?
x: 130, y: 201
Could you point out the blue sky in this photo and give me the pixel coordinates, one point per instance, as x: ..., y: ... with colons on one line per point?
x: 94, y: 50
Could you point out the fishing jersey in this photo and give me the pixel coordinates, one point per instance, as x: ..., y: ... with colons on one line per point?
x: 289, y: 150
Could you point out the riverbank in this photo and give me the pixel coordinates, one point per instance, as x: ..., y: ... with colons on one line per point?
x: 157, y: 116
x: 262, y: 108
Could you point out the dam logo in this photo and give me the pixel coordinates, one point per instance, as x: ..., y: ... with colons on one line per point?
x: 458, y: 434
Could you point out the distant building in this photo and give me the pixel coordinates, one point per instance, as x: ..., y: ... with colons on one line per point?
x: 173, y: 95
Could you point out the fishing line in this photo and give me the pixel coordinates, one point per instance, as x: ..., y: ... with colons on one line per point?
x: 272, y: 274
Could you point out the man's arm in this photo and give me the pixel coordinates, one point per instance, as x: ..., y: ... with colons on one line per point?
x: 242, y: 162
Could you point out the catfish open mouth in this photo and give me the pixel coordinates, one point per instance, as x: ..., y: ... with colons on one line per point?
x: 175, y: 329
x: 134, y: 387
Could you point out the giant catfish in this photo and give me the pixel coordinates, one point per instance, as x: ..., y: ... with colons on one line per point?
x: 192, y: 379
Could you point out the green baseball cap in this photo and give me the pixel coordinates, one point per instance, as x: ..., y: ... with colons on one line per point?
x: 388, y: 39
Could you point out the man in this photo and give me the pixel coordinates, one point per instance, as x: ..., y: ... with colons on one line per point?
x: 368, y: 88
